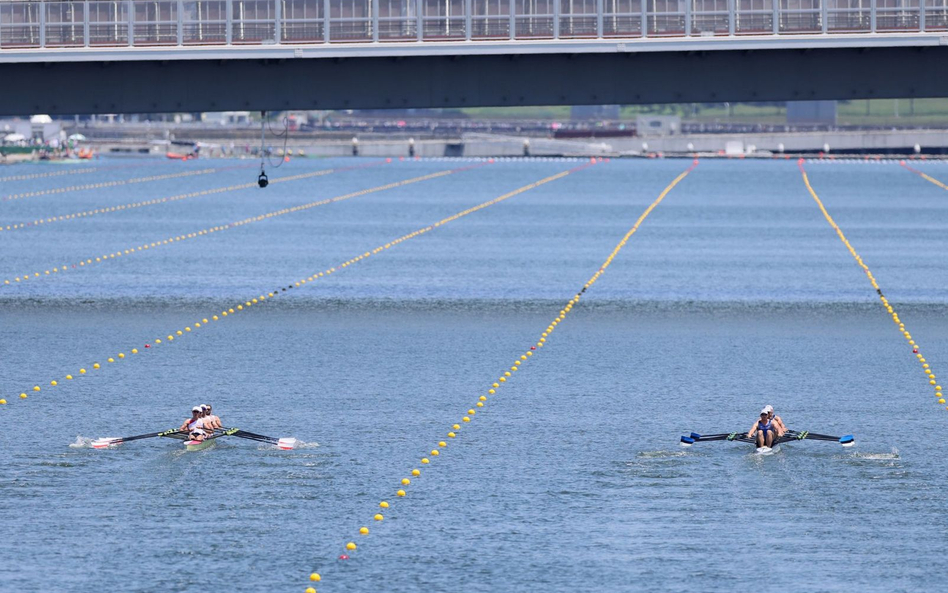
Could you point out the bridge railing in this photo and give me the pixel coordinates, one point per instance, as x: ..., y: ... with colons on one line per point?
x: 144, y: 23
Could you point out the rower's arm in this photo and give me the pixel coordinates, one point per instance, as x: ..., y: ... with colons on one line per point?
x: 750, y: 433
x: 781, y: 427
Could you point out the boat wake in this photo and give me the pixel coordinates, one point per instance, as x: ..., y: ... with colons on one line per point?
x: 877, y: 456
x: 81, y: 442
x: 661, y: 454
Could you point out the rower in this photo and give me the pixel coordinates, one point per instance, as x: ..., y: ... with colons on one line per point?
x: 194, y: 425
x: 210, y: 420
x: 765, y: 430
x: 777, y: 420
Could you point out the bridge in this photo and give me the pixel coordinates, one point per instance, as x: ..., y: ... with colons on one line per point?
x: 86, y: 56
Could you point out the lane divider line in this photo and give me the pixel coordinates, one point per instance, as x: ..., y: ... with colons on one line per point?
x: 79, y: 170
x: 103, y: 184
x: 28, y: 176
x: 924, y: 176
x: 176, y: 198
x: 83, y: 263
x: 241, y: 307
x: 518, y: 364
x: 929, y: 373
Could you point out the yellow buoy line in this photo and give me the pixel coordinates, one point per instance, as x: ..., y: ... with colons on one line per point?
x: 939, y: 395
x: 104, y: 184
x: 508, y: 374
x: 241, y: 307
x: 83, y: 263
x: 49, y: 174
x: 176, y: 198
x: 921, y: 174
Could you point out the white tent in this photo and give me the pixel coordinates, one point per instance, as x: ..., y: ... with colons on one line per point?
x: 14, y: 138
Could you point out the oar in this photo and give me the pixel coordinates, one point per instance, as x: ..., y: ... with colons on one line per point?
x: 243, y: 434
x: 284, y: 443
x: 103, y: 443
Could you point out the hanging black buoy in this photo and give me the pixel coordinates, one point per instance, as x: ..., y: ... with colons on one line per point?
x: 262, y: 180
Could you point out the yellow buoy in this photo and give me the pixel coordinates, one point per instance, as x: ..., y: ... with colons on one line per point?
x: 351, y: 546
x: 383, y: 504
x: 424, y: 460
x: 405, y: 481
x: 315, y: 577
x: 378, y: 517
x: 36, y: 388
x: 416, y: 472
x: 364, y: 530
x: 400, y: 493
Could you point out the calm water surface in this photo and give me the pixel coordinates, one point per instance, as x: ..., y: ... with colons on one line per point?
x: 734, y: 293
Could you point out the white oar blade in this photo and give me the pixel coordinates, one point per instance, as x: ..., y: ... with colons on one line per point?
x: 286, y: 443
x: 104, y: 443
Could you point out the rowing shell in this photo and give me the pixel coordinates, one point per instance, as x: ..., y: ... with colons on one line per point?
x: 789, y: 437
x: 285, y: 444
x: 198, y: 445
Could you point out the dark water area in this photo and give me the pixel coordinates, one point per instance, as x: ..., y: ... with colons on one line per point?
x: 734, y: 293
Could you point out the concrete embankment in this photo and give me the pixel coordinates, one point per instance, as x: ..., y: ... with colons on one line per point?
x: 893, y: 142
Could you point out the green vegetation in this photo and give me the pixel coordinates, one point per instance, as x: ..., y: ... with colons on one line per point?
x: 876, y: 112
x: 560, y: 112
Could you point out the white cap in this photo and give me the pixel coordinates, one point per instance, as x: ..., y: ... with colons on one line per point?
x: 768, y: 408
x: 196, y: 409
x: 204, y: 407
x: 765, y: 411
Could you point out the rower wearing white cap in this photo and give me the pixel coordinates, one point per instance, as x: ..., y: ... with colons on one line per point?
x: 194, y: 425
x: 211, y: 422
x: 777, y: 420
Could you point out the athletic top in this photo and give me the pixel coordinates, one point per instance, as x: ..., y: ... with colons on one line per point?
x: 196, y: 423
x: 765, y: 427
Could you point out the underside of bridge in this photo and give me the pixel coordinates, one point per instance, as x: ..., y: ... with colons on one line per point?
x: 142, y: 86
